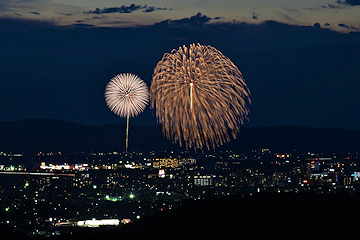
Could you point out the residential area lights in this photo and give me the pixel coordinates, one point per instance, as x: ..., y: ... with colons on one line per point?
x: 107, y: 189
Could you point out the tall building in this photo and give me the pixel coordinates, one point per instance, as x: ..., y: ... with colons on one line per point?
x: 203, y: 180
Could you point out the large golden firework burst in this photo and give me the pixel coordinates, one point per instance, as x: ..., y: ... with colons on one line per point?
x: 199, y: 96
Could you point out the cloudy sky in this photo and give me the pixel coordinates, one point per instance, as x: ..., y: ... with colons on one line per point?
x: 114, y: 13
x: 300, y: 59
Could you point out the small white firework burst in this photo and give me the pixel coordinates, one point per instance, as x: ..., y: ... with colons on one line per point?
x: 126, y: 95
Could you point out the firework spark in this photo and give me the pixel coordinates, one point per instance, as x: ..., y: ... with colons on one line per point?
x: 127, y: 96
x: 199, y: 96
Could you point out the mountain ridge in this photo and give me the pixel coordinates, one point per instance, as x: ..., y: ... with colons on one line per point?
x: 34, y: 135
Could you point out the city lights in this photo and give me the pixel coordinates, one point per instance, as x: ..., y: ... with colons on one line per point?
x: 62, y: 195
x: 98, y: 223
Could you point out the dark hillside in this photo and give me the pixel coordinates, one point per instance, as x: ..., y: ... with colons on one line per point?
x: 273, y: 216
x: 32, y: 136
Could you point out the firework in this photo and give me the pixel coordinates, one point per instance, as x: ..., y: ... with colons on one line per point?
x: 127, y: 96
x: 199, y: 96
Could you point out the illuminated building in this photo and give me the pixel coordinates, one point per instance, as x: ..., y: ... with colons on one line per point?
x: 161, y: 173
x: 356, y: 175
x: 203, y: 180
x: 187, y: 161
x: 125, y: 220
x: 347, y: 181
x: 318, y: 177
x: 165, y: 163
x: 314, y: 165
x: 63, y: 224
x: 79, y: 167
x: 97, y: 223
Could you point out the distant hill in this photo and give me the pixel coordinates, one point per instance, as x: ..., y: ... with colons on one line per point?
x: 56, y: 135
x: 31, y: 136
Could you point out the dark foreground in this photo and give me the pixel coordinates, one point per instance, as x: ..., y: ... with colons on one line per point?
x: 271, y: 216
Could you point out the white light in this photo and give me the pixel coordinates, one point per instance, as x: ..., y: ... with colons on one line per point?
x: 97, y: 223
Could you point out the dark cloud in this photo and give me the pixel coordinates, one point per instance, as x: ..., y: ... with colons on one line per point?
x: 346, y: 26
x: 330, y: 6
x: 152, y: 8
x: 349, y: 2
x: 83, y: 25
x: 317, y: 25
x: 255, y: 15
x: 327, y: 24
x: 195, y: 21
x: 293, y: 10
x: 311, y: 8
x: 66, y: 14
x: 36, y: 13
x: 126, y: 9
x: 122, y: 9
x: 116, y: 22
x: 343, y: 25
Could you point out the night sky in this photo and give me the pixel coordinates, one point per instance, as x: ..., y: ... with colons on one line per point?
x: 300, y: 61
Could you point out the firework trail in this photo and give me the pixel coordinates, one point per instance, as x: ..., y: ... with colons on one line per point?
x: 127, y: 96
x: 199, y: 96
